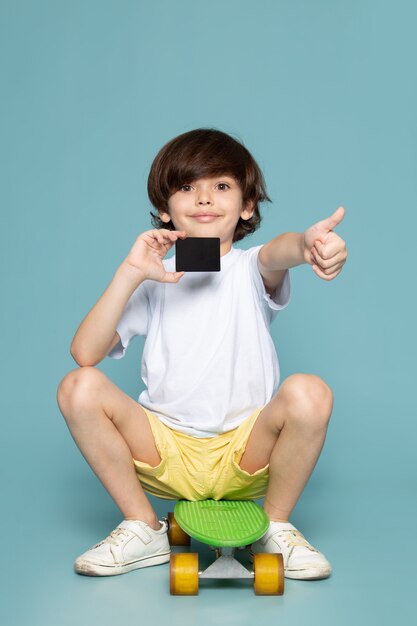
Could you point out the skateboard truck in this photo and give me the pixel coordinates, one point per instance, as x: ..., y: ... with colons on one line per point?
x: 226, y: 566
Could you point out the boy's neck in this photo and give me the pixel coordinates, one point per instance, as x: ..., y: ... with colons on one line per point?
x: 225, y: 248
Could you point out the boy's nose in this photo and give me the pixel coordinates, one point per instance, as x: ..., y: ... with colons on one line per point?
x: 203, y: 196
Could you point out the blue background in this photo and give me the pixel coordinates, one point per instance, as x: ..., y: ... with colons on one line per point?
x: 324, y: 96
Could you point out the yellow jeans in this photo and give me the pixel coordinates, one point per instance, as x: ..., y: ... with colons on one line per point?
x: 193, y: 468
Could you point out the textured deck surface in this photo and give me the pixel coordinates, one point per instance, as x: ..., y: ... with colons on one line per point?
x: 222, y: 522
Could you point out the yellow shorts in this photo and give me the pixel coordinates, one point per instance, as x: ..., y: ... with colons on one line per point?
x: 194, y: 468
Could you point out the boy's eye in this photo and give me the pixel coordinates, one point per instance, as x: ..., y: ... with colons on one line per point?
x: 221, y: 186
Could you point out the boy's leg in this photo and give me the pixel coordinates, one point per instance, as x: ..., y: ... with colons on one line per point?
x: 289, y: 434
x: 110, y: 428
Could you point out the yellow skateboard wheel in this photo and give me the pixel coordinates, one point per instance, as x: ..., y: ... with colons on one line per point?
x: 176, y: 535
x: 183, y: 574
x: 269, y: 574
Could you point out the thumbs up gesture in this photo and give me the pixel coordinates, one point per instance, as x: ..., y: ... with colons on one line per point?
x: 324, y: 250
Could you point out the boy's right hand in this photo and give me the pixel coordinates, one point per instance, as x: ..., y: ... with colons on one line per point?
x: 145, y: 257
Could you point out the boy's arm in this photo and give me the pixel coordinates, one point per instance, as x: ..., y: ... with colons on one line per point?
x: 318, y: 246
x: 278, y: 255
x: 96, y: 334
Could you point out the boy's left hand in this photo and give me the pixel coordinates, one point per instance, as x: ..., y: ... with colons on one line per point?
x: 323, y: 249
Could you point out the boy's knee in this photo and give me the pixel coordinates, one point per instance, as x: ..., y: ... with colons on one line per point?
x: 78, y: 387
x: 310, y: 398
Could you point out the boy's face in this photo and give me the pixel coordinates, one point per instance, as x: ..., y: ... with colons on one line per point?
x: 208, y: 207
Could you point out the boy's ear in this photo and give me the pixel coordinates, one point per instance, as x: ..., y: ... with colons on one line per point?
x: 164, y: 216
x: 248, y: 210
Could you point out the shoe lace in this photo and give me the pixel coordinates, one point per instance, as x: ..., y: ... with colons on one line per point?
x: 293, y: 539
x: 115, y: 537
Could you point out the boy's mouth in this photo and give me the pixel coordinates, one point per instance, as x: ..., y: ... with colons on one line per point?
x: 205, y: 217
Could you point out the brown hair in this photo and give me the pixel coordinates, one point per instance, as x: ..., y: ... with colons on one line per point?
x: 202, y: 153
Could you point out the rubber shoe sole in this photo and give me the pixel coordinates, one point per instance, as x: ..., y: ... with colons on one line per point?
x: 309, y: 573
x: 86, y: 568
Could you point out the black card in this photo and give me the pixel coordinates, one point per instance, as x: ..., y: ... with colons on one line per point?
x: 197, y: 254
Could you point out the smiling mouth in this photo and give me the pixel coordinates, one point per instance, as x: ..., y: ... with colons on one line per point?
x: 205, y: 217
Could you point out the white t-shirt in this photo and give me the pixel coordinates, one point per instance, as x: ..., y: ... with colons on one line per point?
x: 209, y: 360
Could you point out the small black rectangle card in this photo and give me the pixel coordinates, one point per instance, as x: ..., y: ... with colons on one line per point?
x: 197, y: 254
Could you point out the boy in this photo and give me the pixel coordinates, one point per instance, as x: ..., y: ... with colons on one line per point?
x: 212, y: 422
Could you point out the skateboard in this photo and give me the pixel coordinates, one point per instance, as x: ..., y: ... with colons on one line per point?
x: 226, y: 526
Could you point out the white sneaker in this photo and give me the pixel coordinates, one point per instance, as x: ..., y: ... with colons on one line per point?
x: 301, y: 560
x: 131, y: 545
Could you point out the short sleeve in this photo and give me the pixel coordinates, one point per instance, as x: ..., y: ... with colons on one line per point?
x: 280, y: 298
x: 134, y: 321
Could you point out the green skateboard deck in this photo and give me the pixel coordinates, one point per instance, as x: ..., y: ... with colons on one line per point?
x: 222, y: 523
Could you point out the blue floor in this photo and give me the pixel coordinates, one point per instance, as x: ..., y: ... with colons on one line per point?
x: 373, y: 553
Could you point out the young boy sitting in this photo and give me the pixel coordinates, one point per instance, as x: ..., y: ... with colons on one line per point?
x: 213, y: 421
